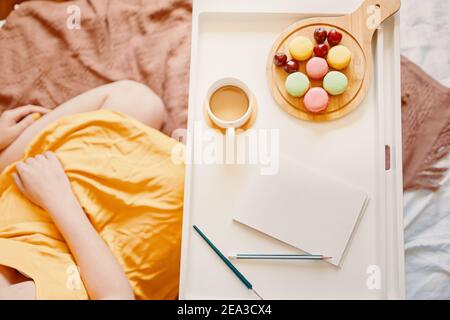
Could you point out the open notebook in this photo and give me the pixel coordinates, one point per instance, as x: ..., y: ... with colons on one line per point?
x: 312, y: 212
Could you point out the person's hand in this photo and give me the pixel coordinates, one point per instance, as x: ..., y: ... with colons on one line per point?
x: 43, y: 181
x: 13, y: 122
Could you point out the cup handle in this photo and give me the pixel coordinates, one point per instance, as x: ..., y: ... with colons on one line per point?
x: 231, y: 132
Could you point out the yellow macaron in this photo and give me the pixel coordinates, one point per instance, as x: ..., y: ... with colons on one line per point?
x: 301, y: 48
x: 339, y: 57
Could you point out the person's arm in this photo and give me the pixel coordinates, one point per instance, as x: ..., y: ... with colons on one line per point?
x: 15, y: 121
x: 88, y: 101
x: 25, y: 290
x: 129, y: 97
x: 43, y: 181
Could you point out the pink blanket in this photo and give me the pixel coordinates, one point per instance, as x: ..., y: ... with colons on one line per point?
x: 44, y: 62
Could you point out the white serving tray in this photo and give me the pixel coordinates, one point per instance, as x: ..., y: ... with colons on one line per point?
x: 233, y: 38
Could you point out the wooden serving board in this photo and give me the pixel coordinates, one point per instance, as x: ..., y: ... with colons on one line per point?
x: 357, y: 31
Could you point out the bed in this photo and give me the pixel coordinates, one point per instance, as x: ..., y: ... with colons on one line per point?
x: 426, y: 214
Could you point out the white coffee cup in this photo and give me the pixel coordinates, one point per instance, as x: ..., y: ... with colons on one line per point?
x: 229, y: 125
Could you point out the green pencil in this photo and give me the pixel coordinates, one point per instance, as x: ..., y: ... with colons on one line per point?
x: 227, y: 262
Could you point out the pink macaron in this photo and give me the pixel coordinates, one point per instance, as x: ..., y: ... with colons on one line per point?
x: 316, y: 99
x: 317, y: 68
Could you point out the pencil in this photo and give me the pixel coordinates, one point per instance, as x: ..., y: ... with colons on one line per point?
x: 227, y: 262
x: 278, y: 257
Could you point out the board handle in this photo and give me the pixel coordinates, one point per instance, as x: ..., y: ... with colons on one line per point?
x: 372, y: 13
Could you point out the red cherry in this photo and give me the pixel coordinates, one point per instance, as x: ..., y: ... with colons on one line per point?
x: 334, y: 37
x: 291, y: 66
x: 321, y: 50
x: 320, y: 34
x: 279, y: 59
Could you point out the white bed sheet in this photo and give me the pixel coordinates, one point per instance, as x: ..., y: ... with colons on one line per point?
x: 425, y: 39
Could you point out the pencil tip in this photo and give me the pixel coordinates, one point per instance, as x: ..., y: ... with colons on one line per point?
x: 253, y: 289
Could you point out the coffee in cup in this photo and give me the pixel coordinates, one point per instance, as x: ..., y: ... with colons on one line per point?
x: 229, y: 104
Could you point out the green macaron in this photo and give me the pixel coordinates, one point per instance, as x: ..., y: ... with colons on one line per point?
x: 297, y: 84
x: 335, y: 82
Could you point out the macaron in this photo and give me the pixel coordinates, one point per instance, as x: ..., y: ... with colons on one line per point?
x: 301, y: 48
x: 335, y: 82
x: 297, y: 84
x: 339, y: 57
x: 317, y: 68
x: 316, y: 99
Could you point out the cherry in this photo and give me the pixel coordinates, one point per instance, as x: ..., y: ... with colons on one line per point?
x: 291, y: 66
x: 334, y: 37
x: 321, y: 50
x: 279, y: 59
x: 320, y: 34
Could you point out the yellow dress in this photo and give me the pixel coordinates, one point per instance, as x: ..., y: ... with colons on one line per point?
x: 132, y: 191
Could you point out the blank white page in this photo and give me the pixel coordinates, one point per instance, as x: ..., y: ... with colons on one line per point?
x: 312, y: 212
